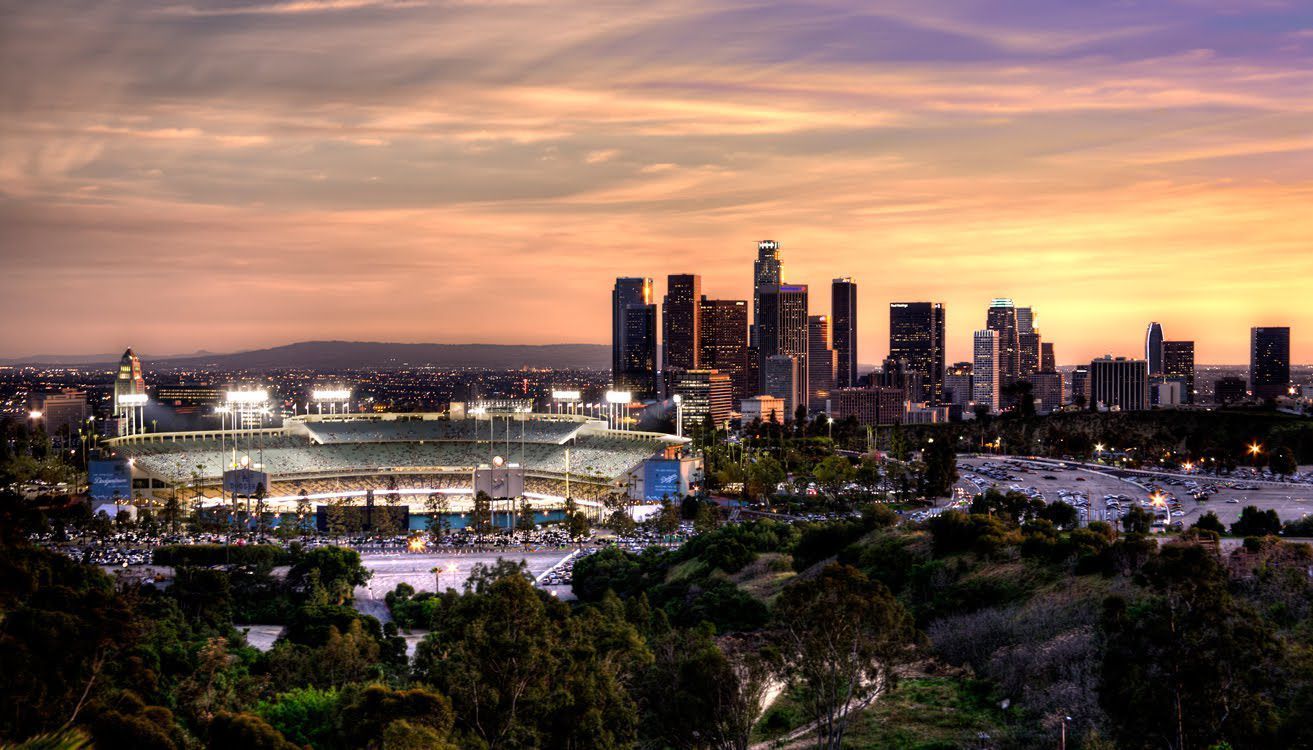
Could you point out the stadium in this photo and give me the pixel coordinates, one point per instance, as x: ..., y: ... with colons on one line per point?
x: 408, y: 457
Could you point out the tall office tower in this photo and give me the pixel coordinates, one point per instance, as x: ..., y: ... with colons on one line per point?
x: 65, y: 415
x: 782, y: 327
x: 1080, y: 385
x: 1153, y: 349
x: 1047, y: 362
x: 629, y: 291
x: 704, y: 394
x: 1269, y: 361
x: 638, y: 362
x: 766, y: 271
x: 820, y: 363
x: 1119, y: 383
x: 1047, y: 389
x: 1028, y: 354
x: 783, y: 374
x: 986, y: 373
x: 957, y: 385
x: 916, y: 334
x: 681, y: 319
x: 1002, y: 317
x: 725, y: 342
x: 1025, y: 320
x: 843, y: 322
x: 1178, y: 364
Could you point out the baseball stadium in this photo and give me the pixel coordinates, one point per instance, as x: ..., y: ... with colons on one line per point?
x: 406, y: 458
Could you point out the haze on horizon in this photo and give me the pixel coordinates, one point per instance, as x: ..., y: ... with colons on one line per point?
x: 232, y: 175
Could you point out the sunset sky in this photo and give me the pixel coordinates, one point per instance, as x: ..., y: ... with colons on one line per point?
x: 227, y: 175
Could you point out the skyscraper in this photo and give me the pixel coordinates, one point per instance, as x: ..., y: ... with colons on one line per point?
x: 916, y: 334
x: 681, y: 316
x: 986, y: 375
x: 957, y: 385
x: 766, y: 271
x: 843, y: 323
x: 629, y: 291
x: 1025, y: 320
x: 1153, y: 349
x: 1047, y: 362
x: 1002, y: 317
x: 634, y: 337
x: 1028, y: 354
x: 704, y: 394
x: 1047, y: 389
x: 1080, y: 385
x: 725, y: 342
x: 1178, y: 364
x: 782, y: 327
x: 820, y: 362
x: 638, y: 365
x: 1269, y: 361
x: 1119, y: 383
x: 783, y: 375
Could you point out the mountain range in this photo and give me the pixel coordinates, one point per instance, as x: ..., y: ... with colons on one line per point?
x: 362, y: 354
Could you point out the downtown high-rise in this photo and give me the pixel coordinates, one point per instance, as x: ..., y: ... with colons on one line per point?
x: 782, y: 327
x: 1002, y: 318
x: 766, y: 271
x: 1269, y: 361
x: 1153, y: 349
x: 916, y: 336
x: 1119, y: 383
x: 986, y: 373
x: 634, y: 337
x: 843, y: 326
x: 820, y: 363
x: 1178, y: 365
x: 725, y: 342
x: 681, y: 318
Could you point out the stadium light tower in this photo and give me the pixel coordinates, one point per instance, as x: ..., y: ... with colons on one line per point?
x: 566, y: 399
x: 679, y: 414
x: 614, y: 399
x: 248, y: 407
x: 333, y: 397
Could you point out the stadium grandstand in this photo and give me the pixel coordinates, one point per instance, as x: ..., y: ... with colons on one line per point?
x: 409, y: 456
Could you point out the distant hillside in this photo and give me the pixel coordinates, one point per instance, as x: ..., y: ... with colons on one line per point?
x: 363, y: 354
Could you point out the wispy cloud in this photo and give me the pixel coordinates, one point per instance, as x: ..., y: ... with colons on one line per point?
x: 1068, y: 153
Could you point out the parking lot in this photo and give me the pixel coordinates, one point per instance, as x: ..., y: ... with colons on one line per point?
x: 418, y: 571
x: 1107, y: 493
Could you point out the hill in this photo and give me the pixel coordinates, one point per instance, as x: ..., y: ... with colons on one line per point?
x: 366, y: 354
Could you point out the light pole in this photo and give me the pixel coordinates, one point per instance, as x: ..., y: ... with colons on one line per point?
x: 679, y: 414
x: 1065, y: 719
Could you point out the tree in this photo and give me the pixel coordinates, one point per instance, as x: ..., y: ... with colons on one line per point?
x: 1187, y: 666
x: 1209, y: 522
x: 841, y: 635
x: 833, y: 474
x: 229, y: 730
x: 621, y: 522
x: 369, y: 718
x: 481, y: 517
x: 1137, y: 521
x: 695, y: 695
x: 940, y: 467
x: 1283, y: 462
x: 764, y: 475
x: 1255, y: 522
x: 338, y: 571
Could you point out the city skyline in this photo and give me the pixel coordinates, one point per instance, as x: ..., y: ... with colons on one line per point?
x: 228, y: 176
